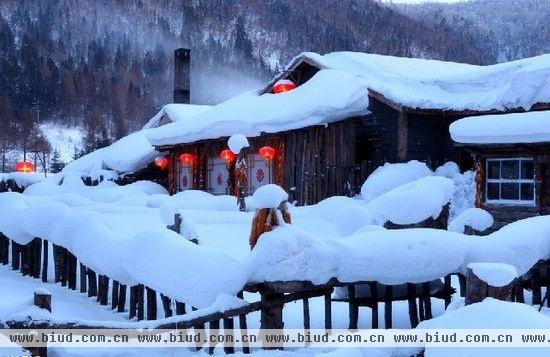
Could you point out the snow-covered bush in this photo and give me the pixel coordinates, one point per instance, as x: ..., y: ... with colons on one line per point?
x: 465, y: 190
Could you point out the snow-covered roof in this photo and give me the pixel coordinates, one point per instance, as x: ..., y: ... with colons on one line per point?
x: 515, y: 128
x: 176, y: 112
x: 340, y: 90
x: 331, y: 95
x: 133, y: 151
x: 417, y: 83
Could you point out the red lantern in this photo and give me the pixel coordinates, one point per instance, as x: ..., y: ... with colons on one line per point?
x: 25, y: 166
x: 228, y: 156
x: 187, y: 159
x: 161, y: 162
x: 267, y: 152
x: 284, y: 85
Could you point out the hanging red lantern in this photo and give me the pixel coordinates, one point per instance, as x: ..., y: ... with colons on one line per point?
x: 267, y: 152
x: 187, y: 159
x: 283, y: 85
x: 228, y: 156
x: 161, y: 162
x: 25, y: 166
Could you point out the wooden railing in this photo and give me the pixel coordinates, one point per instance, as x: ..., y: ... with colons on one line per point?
x: 32, y: 260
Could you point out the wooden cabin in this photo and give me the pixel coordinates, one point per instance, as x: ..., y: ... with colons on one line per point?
x: 333, y: 156
x: 512, y: 155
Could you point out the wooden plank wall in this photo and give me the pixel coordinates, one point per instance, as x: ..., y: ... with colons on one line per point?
x: 505, y: 214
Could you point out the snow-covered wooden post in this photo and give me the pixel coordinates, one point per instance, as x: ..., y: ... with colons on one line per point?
x: 270, y: 202
x: 42, y: 300
x: 495, y: 280
x: 237, y: 144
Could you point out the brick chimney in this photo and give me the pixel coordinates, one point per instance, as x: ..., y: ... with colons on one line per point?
x: 182, y: 70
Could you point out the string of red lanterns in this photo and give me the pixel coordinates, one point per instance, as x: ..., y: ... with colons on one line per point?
x: 228, y: 156
x: 25, y: 166
x: 161, y: 162
x: 283, y: 85
x: 267, y: 152
x: 187, y: 159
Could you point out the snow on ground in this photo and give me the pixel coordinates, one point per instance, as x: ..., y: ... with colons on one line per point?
x: 515, y: 128
x: 125, y: 237
x: 63, y: 139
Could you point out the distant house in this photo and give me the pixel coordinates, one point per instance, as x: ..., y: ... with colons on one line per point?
x: 349, y: 113
x: 512, y: 154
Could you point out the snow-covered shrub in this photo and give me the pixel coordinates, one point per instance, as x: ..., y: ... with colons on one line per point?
x: 477, y: 218
x: 390, y: 176
x: 465, y: 190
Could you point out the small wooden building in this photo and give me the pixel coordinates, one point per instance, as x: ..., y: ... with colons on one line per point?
x: 349, y: 113
x: 512, y: 155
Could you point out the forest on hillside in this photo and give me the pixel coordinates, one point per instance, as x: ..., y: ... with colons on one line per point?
x: 106, y: 66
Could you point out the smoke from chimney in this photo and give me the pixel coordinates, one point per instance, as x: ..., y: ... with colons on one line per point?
x: 182, y: 71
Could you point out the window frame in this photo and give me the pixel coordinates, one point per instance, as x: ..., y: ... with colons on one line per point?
x: 519, y: 181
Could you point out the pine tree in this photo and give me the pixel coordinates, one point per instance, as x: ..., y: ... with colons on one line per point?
x: 56, y: 165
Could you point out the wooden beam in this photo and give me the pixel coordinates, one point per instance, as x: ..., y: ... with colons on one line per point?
x: 402, y: 136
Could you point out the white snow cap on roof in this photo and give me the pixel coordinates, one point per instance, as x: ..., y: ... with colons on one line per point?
x: 516, y: 128
x: 429, y: 84
x: 133, y: 151
x: 331, y: 95
x: 176, y: 112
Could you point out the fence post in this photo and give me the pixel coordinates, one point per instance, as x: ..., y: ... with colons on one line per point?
x: 43, y: 300
x: 494, y: 280
x: 15, y: 255
x: 45, y: 250
x: 4, y: 249
x: 272, y: 313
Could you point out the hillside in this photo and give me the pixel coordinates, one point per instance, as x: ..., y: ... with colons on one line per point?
x: 107, y: 65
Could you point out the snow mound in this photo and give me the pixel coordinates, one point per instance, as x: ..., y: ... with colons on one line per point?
x: 488, y: 314
x: 412, y: 202
x: 387, y: 177
x: 494, y: 274
x: 267, y: 196
x: 351, y: 218
x: 237, y: 142
x: 477, y: 218
x: 187, y: 272
x: 22, y: 179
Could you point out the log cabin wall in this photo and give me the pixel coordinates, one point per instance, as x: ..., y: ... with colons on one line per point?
x: 508, y: 213
x: 320, y: 162
x: 429, y: 139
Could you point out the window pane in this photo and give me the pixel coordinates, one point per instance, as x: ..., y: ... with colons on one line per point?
x: 509, y: 169
x: 509, y: 191
x: 527, y: 169
x: 527, y: 191
x: 493, y: 169
x: 493, y: 191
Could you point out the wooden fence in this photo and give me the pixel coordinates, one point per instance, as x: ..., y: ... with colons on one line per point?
x: 32, y: 260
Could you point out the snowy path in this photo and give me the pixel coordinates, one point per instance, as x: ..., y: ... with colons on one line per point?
x: 66, y: 304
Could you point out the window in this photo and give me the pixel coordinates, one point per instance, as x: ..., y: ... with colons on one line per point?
x: 510, y: 181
